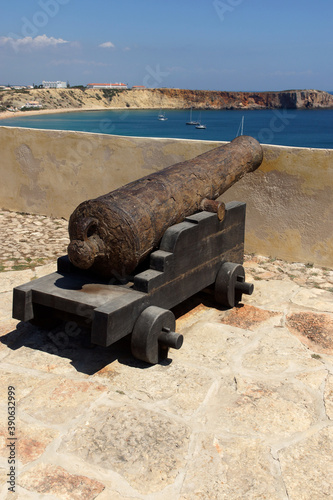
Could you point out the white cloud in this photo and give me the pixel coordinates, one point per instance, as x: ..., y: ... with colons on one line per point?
x: 28, y: 42
x: 107, y: 45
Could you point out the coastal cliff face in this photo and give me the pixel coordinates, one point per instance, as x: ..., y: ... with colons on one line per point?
x: 204, y: 99
x: 165, y: 98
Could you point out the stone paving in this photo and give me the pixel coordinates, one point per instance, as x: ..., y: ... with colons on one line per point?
x: 28, y: 241
x: 244, y: 410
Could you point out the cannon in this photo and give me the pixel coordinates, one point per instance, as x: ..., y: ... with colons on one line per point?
x: 141, y: 250
x: 112, y: 234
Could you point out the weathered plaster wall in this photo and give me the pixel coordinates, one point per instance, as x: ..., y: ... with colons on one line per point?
x: 289, y: 199
x: 290, y: 205
x: 51, y: 172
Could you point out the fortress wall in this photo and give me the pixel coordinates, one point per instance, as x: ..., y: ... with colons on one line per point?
x: 289, y: 199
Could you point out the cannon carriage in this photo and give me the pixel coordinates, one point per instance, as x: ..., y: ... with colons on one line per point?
x: 141, y: 250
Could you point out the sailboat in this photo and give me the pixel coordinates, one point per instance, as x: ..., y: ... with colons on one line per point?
x: 161, y: 116
x: 192, y: 122
x: 240, y: 130
x: 200, y: 125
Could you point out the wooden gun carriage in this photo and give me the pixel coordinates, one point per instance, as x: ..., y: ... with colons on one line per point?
x: 196, y: 251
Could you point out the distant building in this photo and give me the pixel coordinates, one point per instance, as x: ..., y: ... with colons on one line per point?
x: 137, y: 87
x: 32, y: 104
x: 54, y: 85
x: 106, y: 86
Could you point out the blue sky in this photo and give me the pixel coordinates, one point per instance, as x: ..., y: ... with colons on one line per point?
x: 196, y: 44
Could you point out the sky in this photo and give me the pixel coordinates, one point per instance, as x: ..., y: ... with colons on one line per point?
x: 240, y: 45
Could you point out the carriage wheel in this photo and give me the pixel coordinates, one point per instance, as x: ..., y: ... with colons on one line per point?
x: 153, y: 334
x: 230, y: 284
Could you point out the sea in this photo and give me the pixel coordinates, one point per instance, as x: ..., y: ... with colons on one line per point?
x: 310, y: 128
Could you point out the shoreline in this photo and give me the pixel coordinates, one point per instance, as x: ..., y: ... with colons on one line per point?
x: 13, y: 114
x: 56, y: 101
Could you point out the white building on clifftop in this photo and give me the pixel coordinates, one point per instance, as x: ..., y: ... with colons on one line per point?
x: 54, y: 85
x: 106, y: 86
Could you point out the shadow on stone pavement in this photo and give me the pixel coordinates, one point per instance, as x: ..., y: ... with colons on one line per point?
x: 85, y: 357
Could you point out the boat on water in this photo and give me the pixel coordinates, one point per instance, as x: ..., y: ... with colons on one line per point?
x: 161, y: 116
x: 192, y: 122
x: 200, y: 125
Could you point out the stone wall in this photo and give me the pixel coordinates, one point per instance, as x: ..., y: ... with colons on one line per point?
x: 289, y: 199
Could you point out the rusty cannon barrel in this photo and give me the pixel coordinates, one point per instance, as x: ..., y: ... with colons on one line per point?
x: 113, y: 233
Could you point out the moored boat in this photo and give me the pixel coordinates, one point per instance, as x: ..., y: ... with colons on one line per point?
x: 200, y: 125
x: 192, y: 122
x: 161, y: 116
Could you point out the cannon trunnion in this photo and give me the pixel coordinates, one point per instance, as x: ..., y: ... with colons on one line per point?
x: 192, y: 255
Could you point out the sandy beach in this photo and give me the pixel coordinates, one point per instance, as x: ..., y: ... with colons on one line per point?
x: 15, y: 114
x: 74, y: 99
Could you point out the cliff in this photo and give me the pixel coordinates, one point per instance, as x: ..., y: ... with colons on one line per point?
x: 78, y: 98
x: 204, y: 99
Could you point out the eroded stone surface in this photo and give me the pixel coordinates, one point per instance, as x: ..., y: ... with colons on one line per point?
x: 201, y: 425
x: 11, y: 279
x: 176, y: 387
x: 22, y: 385
x: 21, y: 232
x: 328, y: 396
x: 51, y: 480
x: 239, y: 469
x: 313, y: 329
x: 272, y: 409
x: 108, y: 494
x: 211, y: 344
x: 31, y: 439
x: 3, y: 476
x: 6, y: 300
x: 314, y: 380
x: 276, y: 352
x: 40, y: 360
x: 65, y: 400
x: 307, y: 467
x: 146, y: 448
x: 246, y: 317
x: 272, y: 295
x: 314, y: 299
x: 304, y: 274
x: 32, y: 442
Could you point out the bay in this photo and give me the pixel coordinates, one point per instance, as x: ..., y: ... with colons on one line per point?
x: 301, y: 128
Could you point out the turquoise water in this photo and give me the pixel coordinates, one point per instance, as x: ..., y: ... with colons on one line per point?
x: 305, y: 128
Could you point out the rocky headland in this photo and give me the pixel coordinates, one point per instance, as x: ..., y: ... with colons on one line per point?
x: 208, y: 99
x: 12, y: 101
